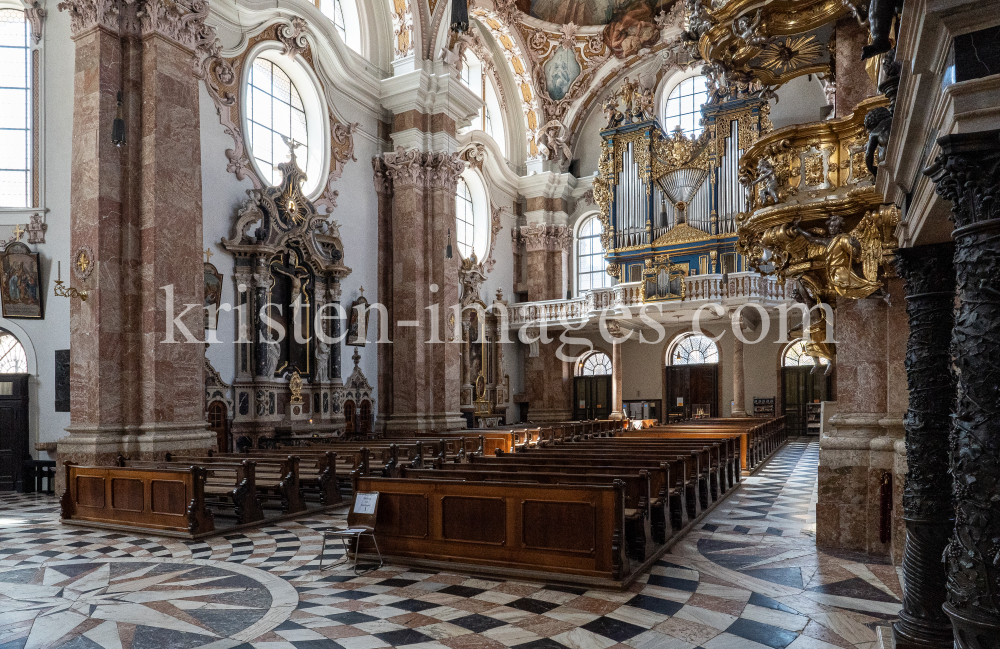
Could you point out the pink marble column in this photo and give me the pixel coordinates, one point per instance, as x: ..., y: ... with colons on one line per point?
x: 136, y: 222
x: 426, y: 364
x: 853, y: 82
x: 857, y: 453
x: 617, y: 409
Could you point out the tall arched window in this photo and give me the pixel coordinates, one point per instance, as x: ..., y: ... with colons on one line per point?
x: 693, y: 349
x: 683, y: 106
x: 15, y: 110
x: 346, y: 20
x: 795, y: 355
x: 591, y: 266
x: 472, y: 229
x: 13, y: 360
x: 594, y: 364
x: 489, y: 119
x: 283, y: 101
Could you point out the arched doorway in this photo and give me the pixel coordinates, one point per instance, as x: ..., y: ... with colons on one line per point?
x: 803, y: 389
x: 350, y: 425
x: 592, y: 387
x: 218, y: 422
x: 13, y: 410
x: 691, y: 378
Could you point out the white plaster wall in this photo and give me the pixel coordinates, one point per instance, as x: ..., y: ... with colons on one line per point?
x: 41, y: 338
x: 799, y: 102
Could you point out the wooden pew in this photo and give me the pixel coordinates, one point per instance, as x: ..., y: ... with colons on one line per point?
x: 576, y: 531
x: 277, y: 478
x: 169, y: 501
x: 637, y: 492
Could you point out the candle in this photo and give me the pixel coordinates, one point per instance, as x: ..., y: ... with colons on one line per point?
x: 59, y: 266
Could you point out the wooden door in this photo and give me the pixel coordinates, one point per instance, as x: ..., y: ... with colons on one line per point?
x: 592, y: 397
x: 802, y: 387
x: 218, y: 422
x: 349, y: 424
x: 686, y: 387
x: 13, y: 429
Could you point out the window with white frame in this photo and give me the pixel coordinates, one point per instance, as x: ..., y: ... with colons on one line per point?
x: 693, y: 349
x: 15, y: 110
x: 594, y: 364
x: 13, y: 360
x: 472, y: 221
x: 274, y: 111
x: 683, y: 106
x: 795, y: 356
x: 591, y: 266
x: 346, y: 20
x: 465, y: 220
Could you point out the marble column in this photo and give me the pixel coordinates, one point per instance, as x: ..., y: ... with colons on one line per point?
x: 967, y: 173
x: 847, y: 514
x: 137, y: 223
x: 929, y: 274
x: 424, y: 290
x: 617, y: 407
x: 739, y: 387
x: 548, y: 381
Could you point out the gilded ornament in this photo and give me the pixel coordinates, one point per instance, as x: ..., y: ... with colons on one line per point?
x: 295, y: 387
x: 791, y: 53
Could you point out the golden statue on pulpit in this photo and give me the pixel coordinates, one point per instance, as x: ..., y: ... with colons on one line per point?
x: 841, y: 250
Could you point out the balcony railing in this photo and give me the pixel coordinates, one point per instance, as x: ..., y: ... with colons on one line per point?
x: 699, y: 289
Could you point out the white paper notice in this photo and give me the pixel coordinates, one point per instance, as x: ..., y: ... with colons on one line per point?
x: 365, y: 503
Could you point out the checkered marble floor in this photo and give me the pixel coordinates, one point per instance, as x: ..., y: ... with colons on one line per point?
x: 749, y: 577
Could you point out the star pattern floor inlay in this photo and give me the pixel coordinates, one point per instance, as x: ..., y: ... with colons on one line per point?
x: 748, y: 577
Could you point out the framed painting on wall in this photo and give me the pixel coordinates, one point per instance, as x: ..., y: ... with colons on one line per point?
x: 213, y: 296
x: 20, y: 276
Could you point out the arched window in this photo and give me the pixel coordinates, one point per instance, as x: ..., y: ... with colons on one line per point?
x: 795, y: 355
x: 489, y: 119
x: 283, y: 102
x: 693, y: 349
x: 346, y: 20
x: 591, y: 266
x: 683, y: 106
x: 594, y: 364
x: 15, y: 110
x: 472, y: 230
x: 13, y: 360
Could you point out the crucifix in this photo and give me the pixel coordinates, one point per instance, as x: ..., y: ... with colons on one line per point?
x: 208, y: 255
x: 294, y: 272
x: 18, y: 232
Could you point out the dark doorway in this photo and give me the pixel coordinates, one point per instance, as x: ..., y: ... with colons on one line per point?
x: 803, y: 393
x: 691, y: 390
x: 592, y: 397
x: 13, y: 429
x: 349, y: 419
x: 365, y: 418
x: 218, y: 422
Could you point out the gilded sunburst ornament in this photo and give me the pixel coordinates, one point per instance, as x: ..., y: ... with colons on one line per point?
x: 791, y: 53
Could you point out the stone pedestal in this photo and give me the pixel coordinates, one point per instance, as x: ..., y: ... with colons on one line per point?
x: 967, y: 173
x: 136, y: 227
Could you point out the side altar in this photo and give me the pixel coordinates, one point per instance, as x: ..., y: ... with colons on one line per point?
x: 288, y: 267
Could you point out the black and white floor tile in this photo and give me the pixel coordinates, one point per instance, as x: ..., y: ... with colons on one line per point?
x: 749, y: 577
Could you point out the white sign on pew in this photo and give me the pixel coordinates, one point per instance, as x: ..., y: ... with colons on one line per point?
x: 365, y: 503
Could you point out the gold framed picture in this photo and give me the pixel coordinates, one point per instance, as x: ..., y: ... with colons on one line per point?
x: 21, y: 290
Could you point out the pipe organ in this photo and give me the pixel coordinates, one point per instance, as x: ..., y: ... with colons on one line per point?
x: 666, y: 196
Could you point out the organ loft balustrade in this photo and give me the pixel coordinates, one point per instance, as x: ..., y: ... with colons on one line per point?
x: 726, y: 290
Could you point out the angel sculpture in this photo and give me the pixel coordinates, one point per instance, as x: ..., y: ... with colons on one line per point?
x: 552, y: 144
x: 322, y: 358
x: 611, y: 112
x: 767, y: 178
x: 840, y: 251
x: 745, y: 28
x: 878, y: 123
x: 645, y: 104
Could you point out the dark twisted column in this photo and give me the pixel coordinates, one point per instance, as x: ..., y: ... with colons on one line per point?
x: 967, y: 173
x: 929, y: 274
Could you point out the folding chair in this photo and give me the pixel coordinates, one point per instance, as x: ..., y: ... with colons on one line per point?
x: 360, y: 522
